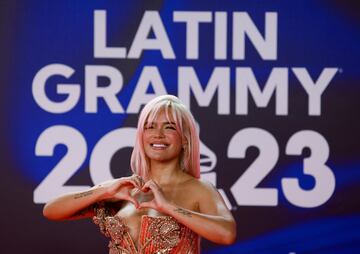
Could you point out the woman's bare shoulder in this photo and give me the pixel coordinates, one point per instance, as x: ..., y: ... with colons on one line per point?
x: 199, y: 186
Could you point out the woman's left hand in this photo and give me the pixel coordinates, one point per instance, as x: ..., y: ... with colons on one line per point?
x: 158, y: 202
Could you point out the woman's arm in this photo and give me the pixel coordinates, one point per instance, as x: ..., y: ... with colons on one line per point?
x: 213, y: 221
x: 78, y: 205
x: 75, y: 205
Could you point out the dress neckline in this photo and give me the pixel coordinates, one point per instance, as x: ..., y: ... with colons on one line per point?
x: 137, y: 244
x: 159, y: 232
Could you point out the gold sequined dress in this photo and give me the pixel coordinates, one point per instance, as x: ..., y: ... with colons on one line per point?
x: 160, y: 234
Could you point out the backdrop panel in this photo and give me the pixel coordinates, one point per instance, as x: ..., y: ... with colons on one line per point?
x: 273, y: 86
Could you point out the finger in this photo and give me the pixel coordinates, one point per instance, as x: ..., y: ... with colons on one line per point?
x: 138, y: 180
x: 129, y: 182
x: 146, y: 187
x: 151, y: 185
x: 135, y: 191
x: 113, y: 189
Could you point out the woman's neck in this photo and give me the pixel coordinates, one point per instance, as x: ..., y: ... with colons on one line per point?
x: 165, y: 173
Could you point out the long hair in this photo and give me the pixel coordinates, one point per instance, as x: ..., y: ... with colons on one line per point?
x: 185, y: 125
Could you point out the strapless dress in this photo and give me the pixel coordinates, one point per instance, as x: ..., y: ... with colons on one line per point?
x: 160, y: 234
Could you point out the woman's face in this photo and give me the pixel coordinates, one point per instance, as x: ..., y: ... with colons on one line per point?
x: 162, y: 142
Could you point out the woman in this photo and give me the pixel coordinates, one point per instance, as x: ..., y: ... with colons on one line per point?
x: 164, y: 207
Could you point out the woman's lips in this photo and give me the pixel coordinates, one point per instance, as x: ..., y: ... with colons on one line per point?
x: 159, y: 145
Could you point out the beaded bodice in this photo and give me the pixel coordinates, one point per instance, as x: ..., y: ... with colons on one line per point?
x: 161, y: 234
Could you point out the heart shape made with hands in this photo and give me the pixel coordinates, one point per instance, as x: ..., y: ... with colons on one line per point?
x: 142, y: 197
x: 139, y: 195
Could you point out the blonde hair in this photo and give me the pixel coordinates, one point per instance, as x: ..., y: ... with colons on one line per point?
x: 185, y: 125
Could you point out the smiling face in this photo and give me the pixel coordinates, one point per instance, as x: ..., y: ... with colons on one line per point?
x: 161, y: 139
x: 181, y: 144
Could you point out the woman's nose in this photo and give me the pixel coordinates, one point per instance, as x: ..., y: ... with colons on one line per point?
x: 159, y: 132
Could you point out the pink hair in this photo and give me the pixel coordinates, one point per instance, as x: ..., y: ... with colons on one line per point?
x: 185, y: 125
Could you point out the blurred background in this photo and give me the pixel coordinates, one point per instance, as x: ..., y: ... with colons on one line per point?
x: 273, y: 86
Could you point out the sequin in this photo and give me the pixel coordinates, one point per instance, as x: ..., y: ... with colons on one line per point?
x: 158, y: 235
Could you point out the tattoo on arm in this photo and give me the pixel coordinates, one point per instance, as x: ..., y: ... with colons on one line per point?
x: 182, y: 211
x: 83, y: 194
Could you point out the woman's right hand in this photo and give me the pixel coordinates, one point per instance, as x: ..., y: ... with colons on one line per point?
x: 123, y: 188
x: 77, y: 205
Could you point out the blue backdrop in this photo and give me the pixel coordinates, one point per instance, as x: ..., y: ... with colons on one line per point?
x: 273, y: 86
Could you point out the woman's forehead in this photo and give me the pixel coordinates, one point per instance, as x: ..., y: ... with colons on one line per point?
x: 161, y: 116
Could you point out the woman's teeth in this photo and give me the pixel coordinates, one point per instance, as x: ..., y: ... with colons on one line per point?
x: 159, y: 145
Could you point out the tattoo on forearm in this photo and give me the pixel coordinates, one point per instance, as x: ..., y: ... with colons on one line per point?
x: 83, y: 194
x: 182, y: 211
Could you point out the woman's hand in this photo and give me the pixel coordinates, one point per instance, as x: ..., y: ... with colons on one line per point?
x: 159, y: 201
x: 123, y: 188
x: 78, y: 204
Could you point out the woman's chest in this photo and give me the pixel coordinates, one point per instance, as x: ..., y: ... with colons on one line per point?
x: 133, y: 217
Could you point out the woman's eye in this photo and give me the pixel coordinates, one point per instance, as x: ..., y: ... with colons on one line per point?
x: 171, y: 127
